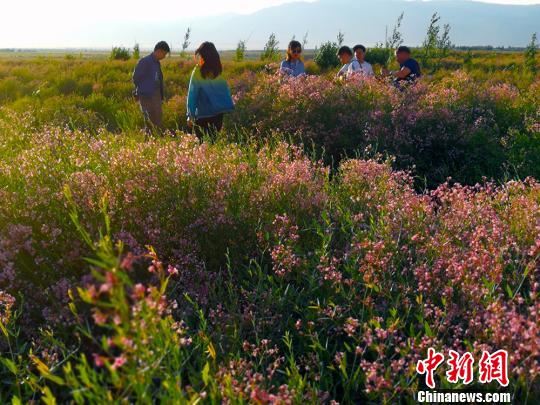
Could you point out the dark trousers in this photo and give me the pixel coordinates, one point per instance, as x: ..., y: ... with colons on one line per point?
x: 208, y: 126
x: 152, y: 112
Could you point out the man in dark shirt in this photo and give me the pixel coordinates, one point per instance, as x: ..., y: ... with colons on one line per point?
x: 148, y: 80
x: 409, y: 69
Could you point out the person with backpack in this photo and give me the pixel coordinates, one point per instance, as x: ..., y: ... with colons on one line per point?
x: 293, y: 65
x: 209, y: 96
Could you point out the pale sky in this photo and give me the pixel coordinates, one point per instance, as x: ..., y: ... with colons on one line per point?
x: 52, y: 23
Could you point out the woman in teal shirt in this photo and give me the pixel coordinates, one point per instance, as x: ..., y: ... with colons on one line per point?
x: 209, y: 96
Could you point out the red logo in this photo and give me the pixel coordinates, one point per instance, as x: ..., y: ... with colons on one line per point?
x: 494, y: 367
x: 491, y: 367
x: 429, y: 366
x: 461, y: 368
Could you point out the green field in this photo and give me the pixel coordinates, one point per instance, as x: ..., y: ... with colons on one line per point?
x: 311, y: 252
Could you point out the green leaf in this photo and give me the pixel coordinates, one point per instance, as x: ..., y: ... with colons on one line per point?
x: 11, y: 366
x: 48, y: 398
x: 206, y: 374
x: 4, y: 330
x: 509, y: 292
x: 428, y: 330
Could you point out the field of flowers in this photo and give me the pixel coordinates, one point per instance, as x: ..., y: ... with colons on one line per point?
x: 469, y: 123
x: 313, y: 253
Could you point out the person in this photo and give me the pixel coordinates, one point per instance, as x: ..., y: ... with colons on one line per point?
x: 365, y: 68
x: 148, y: 81
x: 350, y: 65
x: 209, y: 96
x: 409, y: 69
x: 293, y: 65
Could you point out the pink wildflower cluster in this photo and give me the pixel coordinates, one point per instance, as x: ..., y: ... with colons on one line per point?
x: 284, y: 259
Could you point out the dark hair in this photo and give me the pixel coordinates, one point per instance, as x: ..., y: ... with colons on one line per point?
x: 212, y: 66
x: 403, y: 49
x: 163, y: 46
x: 292, y: 46
x: 357, y: 47
x: 344, y: 49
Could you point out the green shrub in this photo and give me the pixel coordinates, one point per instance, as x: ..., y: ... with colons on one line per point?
x: 120, y: 53
x: 326, y: 57
x: 67, y: 86
x: 10, y: 89
x: 524, y: 153
x: 270, y: 52
x: 378, y: 56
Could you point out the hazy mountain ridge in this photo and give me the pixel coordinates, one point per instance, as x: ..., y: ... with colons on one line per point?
x: 364, y: 21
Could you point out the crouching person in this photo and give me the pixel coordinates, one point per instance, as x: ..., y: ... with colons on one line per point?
x: 350, y: 64
x: 148, y: 80
x: 209, y: 96
x: 409, y: 69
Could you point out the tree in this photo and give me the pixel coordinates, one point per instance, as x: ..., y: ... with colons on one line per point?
x: 436, y: 44
x: 136, y: 52
x: 530, y: 55
x: 390, y: 43
x: 326, y: 56
x: 240, y: 51
x: 120, y: 53
x: 429, y: 45
x: 444, y: 44
x: 379, y: 55
x: 340, y: 38
x: 396, y: 39
x: 186, y: 43
x: 305, y: 40
x: 271, y: 50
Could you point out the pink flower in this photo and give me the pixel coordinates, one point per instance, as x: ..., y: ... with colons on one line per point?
x: 99, y: 361
x: 118, y: 362
x: 173, y: 271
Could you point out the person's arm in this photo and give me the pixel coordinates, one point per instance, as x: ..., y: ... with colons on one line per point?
x: 139, y: 72
x: 398, y: 74
x: 301, y: 69
x: 354, y: 67
x: 193, y: 95
x: 284, y: 68
x: 403, y: 73
x: 369, y: 70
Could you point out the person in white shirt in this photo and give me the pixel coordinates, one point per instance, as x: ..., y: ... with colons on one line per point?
x: 350, y: 65
x: 365, y: 68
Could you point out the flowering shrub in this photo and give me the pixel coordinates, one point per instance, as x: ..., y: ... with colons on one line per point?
x: 456, y: 127
x: 276, y: 281
x: 246, y: 270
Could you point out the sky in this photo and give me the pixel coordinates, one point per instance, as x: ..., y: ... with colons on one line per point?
x: 53, y: 23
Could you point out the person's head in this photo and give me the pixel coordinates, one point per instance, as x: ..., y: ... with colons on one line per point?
x: 360, y: 52
x: 294, y: 50
x: 209, y: 60
x: 345, y: 54
x: 403, y: 54
x: 161, y: 50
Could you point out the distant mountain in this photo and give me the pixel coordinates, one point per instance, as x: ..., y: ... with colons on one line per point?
x: 473, y: 23
x: 364, y: 21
